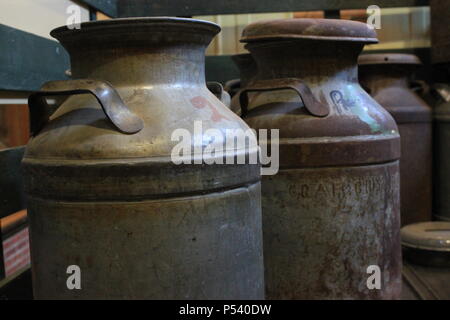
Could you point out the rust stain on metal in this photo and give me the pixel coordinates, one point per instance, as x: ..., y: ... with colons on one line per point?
x: 333, y: 208
x: 201, y: 102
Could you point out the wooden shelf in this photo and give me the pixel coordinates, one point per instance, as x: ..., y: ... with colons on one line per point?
x: 27, y: 60
x: 141, y: 8
x: 212, y: 7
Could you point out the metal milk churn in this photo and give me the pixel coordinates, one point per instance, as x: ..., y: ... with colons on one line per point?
x: 107, y: 194
x: 426, y: 256
x: 441, y: 114
x: 386, y: 78
x: 247, y: 70
x: 440, y: 32
x: 331, y: 214
x: 440, y: 36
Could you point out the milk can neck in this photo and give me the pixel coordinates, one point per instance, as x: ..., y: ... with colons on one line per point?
x: 379, y: 77
x: 311, y: 61
x: 179, y: 65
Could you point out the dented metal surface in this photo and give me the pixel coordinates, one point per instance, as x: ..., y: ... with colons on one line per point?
x: 333, y: 208
x: 114, y: 204
x: 386, y: 78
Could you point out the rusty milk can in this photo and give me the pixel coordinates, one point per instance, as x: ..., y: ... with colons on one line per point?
x: 440, y: 50
x: 247, y: 70
x: 104, y: 192
x: 441, y: 114
x: 331, y: 213
x: 386, y: 78
x: 440, y: 32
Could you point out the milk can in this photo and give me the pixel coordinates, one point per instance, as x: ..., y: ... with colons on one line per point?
x: 386, y: 78
x: 441, y: 114
x: 247, y: 70
x: 426, y: 253
x: 440, y: 32
x: 113, y: 210
x: 331, y: 217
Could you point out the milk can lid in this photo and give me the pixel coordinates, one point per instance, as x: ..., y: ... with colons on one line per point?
x: 433, y: 236
x: 315, y: 29
x: 388, y: 58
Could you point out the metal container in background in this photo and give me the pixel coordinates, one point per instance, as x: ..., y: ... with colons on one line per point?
x: 426, y: 251
x: 441, y: 113
x: 440, y: 32
x: 247, y: 71
x: 332, y: 212
x: 427, y: 243
x: 104, y: 193
x: 386, y: 77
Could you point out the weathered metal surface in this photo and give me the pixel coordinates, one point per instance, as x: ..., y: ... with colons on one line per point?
x: 322, y: 229
x: 333, y: 208
x: 441, y: 205
x: 426, y: 249
x: 247, y: 71
x: 247, y: 67
x: 115, y: 204
x: 334, y: 29
x: 108, y: 98
x: 440, y: 32
x: 427, y: 243
x: 386, y: 78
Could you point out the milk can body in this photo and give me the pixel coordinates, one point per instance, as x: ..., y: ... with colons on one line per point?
x: 105, y: 193
x: 387, y: 79
x: 331, y: 213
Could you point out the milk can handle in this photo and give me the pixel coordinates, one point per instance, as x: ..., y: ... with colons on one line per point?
x: 216, y: 88
x: 315, y: 107
x: 114, y: 108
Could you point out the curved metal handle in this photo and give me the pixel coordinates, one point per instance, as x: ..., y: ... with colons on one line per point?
x: 114, y: 108
x: 315, y: 107
x: 217, y: 89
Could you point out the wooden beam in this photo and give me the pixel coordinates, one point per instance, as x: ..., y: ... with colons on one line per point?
x: 140, y: 8
x: 108, y: 7
x: 27, y: 60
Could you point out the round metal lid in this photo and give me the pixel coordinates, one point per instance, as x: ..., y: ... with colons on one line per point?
x: 388, y: 58
x: 433, y: 236
x: 316, y: 29
x: 132, y: 25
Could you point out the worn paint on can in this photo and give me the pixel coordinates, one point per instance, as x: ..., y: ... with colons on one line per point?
x: 332, y: 211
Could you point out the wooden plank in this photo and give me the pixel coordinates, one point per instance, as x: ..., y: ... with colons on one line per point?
x: 12, y: 197
x: 140, y: 8
x: 14, y: 124
x: 108, y: 7
x: 27, y: 60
